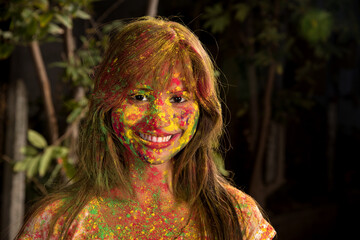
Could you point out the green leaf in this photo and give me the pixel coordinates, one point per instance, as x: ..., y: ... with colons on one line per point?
x: 242, y: 11
x: 217, y: 18
x: 53, y: 175
x: 68, y: 168
x: 114, y: 25
x: 41, y: 4
x: 74, y: 114
x: 60, y: 152
x: 271, y: 34
x: 279, y: 69
x: 6, y: 50
x: 44, y: 19
x: 26, y: 14
x: 55, y: 29
x: 83, y: 102
x: 59, y: 64
x: 65, y: 20
x: 262, y: 58
x: 29, y: 151
x: 21, y: 166
x: 213, y: 11
x: 36, y: 139
x: 32, y: 29
x: 6, y: 34
x: 33, y: 164
x: 316, y: 25
x: 45, y: 160
x: 81, y: 14
x: 219, y: 24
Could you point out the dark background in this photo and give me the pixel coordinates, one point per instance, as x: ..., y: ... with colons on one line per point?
x: 319, y: 198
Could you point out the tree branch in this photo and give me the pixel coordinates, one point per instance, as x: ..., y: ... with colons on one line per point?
x: 257, y: 185
x: 70, y: 128
x: 46, y: 90
x: 109, y: 11
x: 152, y: 8
x: 69, y: 43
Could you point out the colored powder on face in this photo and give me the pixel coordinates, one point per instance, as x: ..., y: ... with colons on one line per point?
x: 176, y: 81
x: 156, y: 111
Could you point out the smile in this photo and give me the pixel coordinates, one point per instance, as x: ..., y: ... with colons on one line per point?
x: 155, y: 139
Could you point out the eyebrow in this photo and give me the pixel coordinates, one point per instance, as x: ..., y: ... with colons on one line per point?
x: 151, y: 90
x: 142, y: 89
x: 177, y: 91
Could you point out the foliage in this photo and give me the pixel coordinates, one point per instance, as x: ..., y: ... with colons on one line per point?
x: 277, y: 54
x: 267, y: 35
x: 39, y: 20
x: 217, y: 18
x: 39, y: 155
x: 316, y: 25
x: 45, y: 20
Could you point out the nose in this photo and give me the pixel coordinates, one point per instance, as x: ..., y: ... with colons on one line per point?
x: 158, y: 116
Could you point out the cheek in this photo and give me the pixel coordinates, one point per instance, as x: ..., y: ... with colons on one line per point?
x: 132, y: 114
x: 188, y: 116
x: 126, y: 116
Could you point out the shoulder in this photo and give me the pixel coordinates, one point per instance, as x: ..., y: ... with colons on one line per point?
x: 240, y: 196
x: 39, y: 224
x: 49, y: 219
x: 244, y: 203
x: 253, y: 224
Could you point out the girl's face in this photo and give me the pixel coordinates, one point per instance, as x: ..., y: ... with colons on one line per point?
x: 154, y: 125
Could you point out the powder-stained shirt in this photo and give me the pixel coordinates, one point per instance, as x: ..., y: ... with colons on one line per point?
x: 105, y: 218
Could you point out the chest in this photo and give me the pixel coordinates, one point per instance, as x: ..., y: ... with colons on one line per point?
x: 108, y: 219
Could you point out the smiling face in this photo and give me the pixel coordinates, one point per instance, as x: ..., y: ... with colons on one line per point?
x: 154, y: 125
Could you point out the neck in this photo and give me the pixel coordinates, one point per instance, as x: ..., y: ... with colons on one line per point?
x: 151, y: 183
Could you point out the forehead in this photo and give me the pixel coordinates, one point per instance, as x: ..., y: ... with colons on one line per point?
x: 167, y: 79
x: 173, y: 85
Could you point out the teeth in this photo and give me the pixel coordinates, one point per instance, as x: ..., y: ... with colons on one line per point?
x: 155, y: 139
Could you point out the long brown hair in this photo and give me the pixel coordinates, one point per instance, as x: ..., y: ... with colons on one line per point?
x: 139, y: 51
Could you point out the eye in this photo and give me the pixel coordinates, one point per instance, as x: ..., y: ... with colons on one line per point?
x: 177, y: 99
x: 139, y: 97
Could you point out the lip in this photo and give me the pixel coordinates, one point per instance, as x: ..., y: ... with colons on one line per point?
x: 158, y: 145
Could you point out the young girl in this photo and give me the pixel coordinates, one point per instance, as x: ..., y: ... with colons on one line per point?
x: 146, y: 153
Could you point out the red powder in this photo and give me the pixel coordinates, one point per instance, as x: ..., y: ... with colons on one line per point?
x: 176, y: 81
